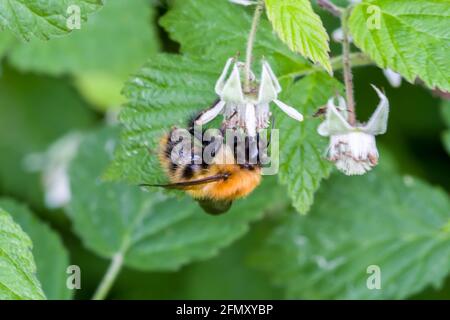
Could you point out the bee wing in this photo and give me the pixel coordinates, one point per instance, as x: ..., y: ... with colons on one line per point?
x: 187, y: 184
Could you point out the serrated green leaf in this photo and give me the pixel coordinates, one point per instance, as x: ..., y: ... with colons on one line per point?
x: 111, y: 45
x: 17, y: 269
x: 399, y: 224
x: 446, y: 115
x: 412, y: 38
x: 219, y: 30
x: 151, y: 231
x: 301, y: 29
x: 302, y: 161
x: 42, y: 19
x: 48, y: 250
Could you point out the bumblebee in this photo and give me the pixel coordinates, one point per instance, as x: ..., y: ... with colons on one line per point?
x: 213, y: 171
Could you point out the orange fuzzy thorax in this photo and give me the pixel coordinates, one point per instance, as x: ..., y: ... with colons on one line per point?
x: 240, y: 183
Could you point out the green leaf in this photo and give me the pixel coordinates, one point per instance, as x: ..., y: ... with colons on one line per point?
x: 446, y: 138
x: 30, y: 123
x: 400, y: 224
x: 412, y: 38
x: 302, y: 161
x: 17, y: 268
x: 49, y: 253
x: 219, y: 30
x: 42, y: 19
x: 118, y: 40
x: 101, y: 89
x: 6, y: 40
x: 446, y: 115
x: 224, y: 276
x: 113, y: 44
x: 166, y: 92
x: 301, y: 29
x: 151, y: 231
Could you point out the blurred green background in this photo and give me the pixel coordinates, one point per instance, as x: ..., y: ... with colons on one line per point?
x: 73, y: 84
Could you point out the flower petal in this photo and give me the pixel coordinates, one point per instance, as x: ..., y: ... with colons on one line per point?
x: 342, y: 107
x: 232, y: 89
x: 250, y: 119
x: 291, y: 112
x: 244, y: 2
x: 221, y: 81
x: 377, y: 123
x: 269, y: 87
x: 266, y: 65
x: 211, y: 113
x: 334, y: 122
x: 395, y: 79
x: 262, y: 115
x: 354, y: 153
x: 322, y: 129
x: 57, y: 187
x: 338, y: 35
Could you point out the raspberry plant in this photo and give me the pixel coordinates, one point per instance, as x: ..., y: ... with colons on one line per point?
x: 134, y: 69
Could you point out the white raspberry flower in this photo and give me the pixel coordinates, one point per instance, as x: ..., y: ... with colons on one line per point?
x: 244, y: 2
x: 338, y: 35
x: 394, y: 78
x: 246, y: 110
x: 54, y: 164
x: 353, y: 148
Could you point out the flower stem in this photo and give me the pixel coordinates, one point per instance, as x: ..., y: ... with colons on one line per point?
x: 330, y: 7
x: 109, y: 278
x: 348, y: 75
x: 251, y: 40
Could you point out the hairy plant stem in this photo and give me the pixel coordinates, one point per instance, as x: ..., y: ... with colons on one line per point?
x: 348, y: 75
x: 109, y: 278
x: 344, y: 14
x: 250, y: 42
x: 331, y: 7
